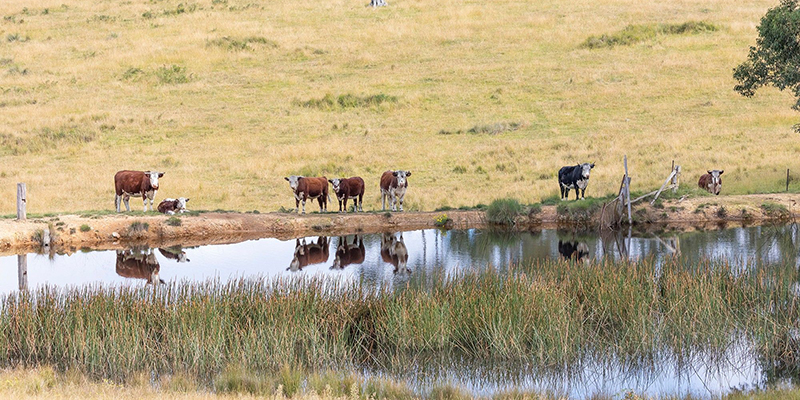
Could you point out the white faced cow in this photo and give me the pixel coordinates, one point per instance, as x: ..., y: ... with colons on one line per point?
x: 393, y: 186
x: 136, y: 183
x: 394, y: 251
x: 711, y: 181
x: 172, y: 206
x: 138, y: 264
x: 574, y: 177
x: 309, y: 188
x: 349, y: 188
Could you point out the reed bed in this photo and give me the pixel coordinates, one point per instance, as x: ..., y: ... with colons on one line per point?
x: 547, y: 315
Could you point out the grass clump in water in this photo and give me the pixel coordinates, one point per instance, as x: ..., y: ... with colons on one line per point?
x: 633, y: 34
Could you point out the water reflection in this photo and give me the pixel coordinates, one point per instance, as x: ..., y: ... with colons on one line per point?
x: 395, y: 252
x: 573, y: 250
x: 139, y: 264
x: 307, y: 254
x: 349, y: 253
x: 174, y: 253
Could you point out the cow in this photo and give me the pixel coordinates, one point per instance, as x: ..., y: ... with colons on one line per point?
x: 309, y: 188
x: 136, y: 183
x: 347, y: 253
x: 172, y: 206
x: 394, y: 251
x: 349, y: 188
x: 307, y: 254
x: 394, y: 185
x: 573, y: 250
x: 174, y: 253
x: 711, y: 181
x: 574, y: 177
x: 141, y: 265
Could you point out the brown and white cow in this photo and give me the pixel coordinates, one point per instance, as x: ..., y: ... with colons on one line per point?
x: 711, y: 181
x: 172, y: 206
x: 393, y: 186
x: 136, y: 183
x: 347, y: 253
x: 394, y: 251
x: 137, y: 264
x: 309, y: 188
x: 349, y: 188
x: 174, y: 253
x: 307, y: 254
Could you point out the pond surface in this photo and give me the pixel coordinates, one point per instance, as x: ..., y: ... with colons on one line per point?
x: 393, y: 259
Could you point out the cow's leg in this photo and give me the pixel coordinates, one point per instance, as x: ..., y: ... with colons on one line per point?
x: 561, y: 190
x: 304, y: 203
x: 344, y: 205
x: 117, y: 201
x: 361, y: 202
x: 583, y: 194
x: 566, y: 194
x: 127, y: 198
x: 401, y: 202
x: 296, y: 204
x: 383, y: 201
x: 152, y: 199
x: 577, y: 193
x: 394, y: 202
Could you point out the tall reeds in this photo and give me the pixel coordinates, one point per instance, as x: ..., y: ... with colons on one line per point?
x: 547, y: 315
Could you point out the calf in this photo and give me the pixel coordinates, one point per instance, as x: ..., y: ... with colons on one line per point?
x: 394, y: 251
x: 574, y: 177
x: 349, y: 188
x: 347, y: 253
x: 309, y: 188
x: 393, y: 186
x: 711, y: 181
x: 172, y: 206
x: 136, y: 183
x: 140, y: 265
x: 307, y: 254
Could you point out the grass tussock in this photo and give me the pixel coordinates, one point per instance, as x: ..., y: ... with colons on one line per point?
x: 330, y: 102
x: 633, y: 34
x: 504, y: 211
x: 488, y: 129
x: 240, y: 44
x: 162, y: 75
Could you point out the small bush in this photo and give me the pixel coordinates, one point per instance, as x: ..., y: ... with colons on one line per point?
x: 722, y: 212
x: 775, y: 210
x: 85, y: 228
x: 137, y: 226
x: 171, y: 75
x: 503, y: 211
x: 442, y: 221
x: 173, y: 221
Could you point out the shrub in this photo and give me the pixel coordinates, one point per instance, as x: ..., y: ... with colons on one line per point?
x: 442, y: 221
x: 173, y: 221
x: 85, y: 228
x: 503, y: 211
x: 170, y: 75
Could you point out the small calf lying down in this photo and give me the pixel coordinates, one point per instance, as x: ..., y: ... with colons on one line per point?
x: 712, y: 182
x: 172, y: 206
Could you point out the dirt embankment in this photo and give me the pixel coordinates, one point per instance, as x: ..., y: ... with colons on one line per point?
x: 71, y: 232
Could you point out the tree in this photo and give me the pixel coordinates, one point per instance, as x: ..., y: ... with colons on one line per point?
x: 775, y: 59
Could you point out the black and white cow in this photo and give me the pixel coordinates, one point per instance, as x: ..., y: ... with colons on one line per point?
x: 574, y: 177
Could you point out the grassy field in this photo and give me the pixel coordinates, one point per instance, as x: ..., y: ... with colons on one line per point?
x: 480, y: 100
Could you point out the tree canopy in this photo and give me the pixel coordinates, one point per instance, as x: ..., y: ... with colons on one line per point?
x: 775, y: 59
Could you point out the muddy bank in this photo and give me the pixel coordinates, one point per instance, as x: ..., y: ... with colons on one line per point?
x: 71, y: 232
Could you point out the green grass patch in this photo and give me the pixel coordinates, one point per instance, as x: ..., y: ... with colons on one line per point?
x: 633, y: 34
x: 173, y: 221
x: 85, y: 228
x: 488, y: 129
x: 775, y: 211
x: 504, y: 211
x: 41, y: 139
x: 240, y: 44
x: 329, y: 101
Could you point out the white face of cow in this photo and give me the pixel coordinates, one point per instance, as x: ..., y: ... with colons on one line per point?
x: 181, y: 203
x: 401, y: 177
x: 293, y: 180
x: 153, y: 176
x: 715, y: 173
x: 335, y: 183
x: 585, y: 169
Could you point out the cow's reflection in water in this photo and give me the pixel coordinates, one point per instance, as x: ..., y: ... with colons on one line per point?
x: 307, y: 254
x: 174, y: 253
x: 140, y: 264
x: 347, y: 253
x: 394, y: 251
x: 573, y: 250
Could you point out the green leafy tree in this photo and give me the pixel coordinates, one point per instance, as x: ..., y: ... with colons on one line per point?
x: 775, y: 59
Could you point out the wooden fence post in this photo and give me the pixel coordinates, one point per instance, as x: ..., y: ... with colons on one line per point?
x: 22, y: 266
x: 787, y: 179
x: 627, y: 189
x: 21, y: 199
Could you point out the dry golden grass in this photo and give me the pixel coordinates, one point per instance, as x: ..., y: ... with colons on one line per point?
x: 70, y: 116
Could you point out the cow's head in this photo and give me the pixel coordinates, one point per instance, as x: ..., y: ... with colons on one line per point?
x: 153, y: 176
x: 401, y: 177
x: 716, y: 182
x: 335, y: 183
x: 293, y: 181
x: 585, y: 169
x: 180, y: 203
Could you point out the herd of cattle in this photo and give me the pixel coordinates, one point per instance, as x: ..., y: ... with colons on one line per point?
x: 393, y: 186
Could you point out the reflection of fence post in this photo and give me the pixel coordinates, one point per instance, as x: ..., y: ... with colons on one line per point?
x: 787, y: 179
x: 628, y: 189
x: 21, y: 199
x: 22, y: 265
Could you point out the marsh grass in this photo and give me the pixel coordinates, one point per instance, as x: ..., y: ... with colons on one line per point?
x: 633, y: 34
x: 504, y: 211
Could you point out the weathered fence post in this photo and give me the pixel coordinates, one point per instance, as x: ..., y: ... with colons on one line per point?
x: 787, y: 179
x: 21, y: 199
x: 627, y: 189
x: 22, y: 266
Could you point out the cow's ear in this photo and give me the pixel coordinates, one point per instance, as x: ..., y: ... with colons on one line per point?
x: 709, y: 171
x: 591, y: 165
x: 330, y: 180
x: 160, y: 174
x: 287, y: 178
x: 721, y: 171
x: 186, y: 200
x: 147, y: 173
x: 394, y: 173
x: 408, y: 173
